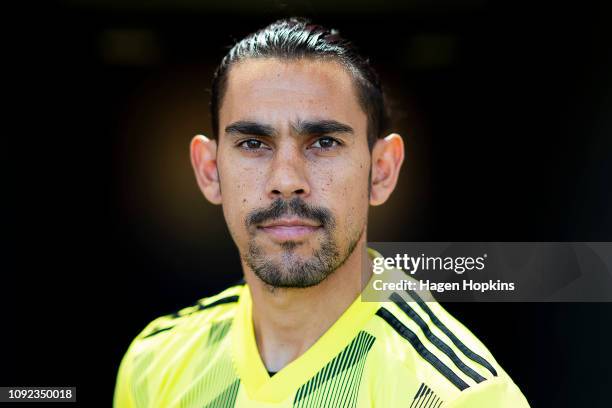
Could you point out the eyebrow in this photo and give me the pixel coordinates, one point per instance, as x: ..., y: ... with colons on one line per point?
x: 302, y: 127
x: 315, y: 127
x: 246, y: 127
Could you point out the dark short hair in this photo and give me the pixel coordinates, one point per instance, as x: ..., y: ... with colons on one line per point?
x: 294, y: 38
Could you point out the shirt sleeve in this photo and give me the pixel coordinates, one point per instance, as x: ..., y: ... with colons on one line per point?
x: 494, y: 393
x: 123, y: 396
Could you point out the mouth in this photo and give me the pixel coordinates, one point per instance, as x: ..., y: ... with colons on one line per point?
x: 289, y: 229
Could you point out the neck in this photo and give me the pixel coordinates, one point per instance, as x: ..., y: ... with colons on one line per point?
x: 288, y: 321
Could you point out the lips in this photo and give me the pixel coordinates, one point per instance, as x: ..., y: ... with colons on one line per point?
x: 289, y: 229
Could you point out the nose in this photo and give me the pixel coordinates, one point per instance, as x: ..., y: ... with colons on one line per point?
x: 287, y: 177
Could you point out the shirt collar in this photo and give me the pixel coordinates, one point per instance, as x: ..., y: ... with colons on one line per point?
x: 251, y: 369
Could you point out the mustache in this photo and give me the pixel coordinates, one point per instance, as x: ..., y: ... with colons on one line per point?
x: 296, y: 206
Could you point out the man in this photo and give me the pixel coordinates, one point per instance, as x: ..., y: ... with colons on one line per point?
x: 296, y: 160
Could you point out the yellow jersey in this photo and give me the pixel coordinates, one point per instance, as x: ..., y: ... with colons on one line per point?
x: 403, y: 352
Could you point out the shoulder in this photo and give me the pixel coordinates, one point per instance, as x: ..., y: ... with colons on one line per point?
x: 206, y: 310
x: 166, y: 342
x: 437, y: 356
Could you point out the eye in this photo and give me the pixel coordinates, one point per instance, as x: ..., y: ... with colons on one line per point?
x: 251, y: 144
x: 325, y: 143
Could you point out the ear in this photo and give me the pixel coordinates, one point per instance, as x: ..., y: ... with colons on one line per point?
x: 387, y: 158
x: 203, y: 153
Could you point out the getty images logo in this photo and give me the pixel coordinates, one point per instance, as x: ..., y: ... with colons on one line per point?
x: 412, y: 264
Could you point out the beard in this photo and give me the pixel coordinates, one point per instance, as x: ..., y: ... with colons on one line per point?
x: 293, y: 270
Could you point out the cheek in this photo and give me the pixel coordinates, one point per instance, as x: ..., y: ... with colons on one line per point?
x: 345, y: 193
x: 241, y: 194
x: 356, y: 204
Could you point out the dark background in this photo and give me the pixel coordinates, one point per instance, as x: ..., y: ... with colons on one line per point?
x: 505, y: 110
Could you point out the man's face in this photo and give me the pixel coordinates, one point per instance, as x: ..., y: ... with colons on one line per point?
x: 293, y: 165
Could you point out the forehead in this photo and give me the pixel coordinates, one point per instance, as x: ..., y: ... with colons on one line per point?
x: 275, y: 90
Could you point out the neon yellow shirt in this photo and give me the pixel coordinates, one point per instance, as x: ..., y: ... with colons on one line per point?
x: 399, y: 353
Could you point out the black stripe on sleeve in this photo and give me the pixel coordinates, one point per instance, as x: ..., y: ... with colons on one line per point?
x: 409, y: 335
x: 229, y: 299
x: 154, y: 332
x: 201, y: 306
x: 462, y: 347
x: 436, y: 341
